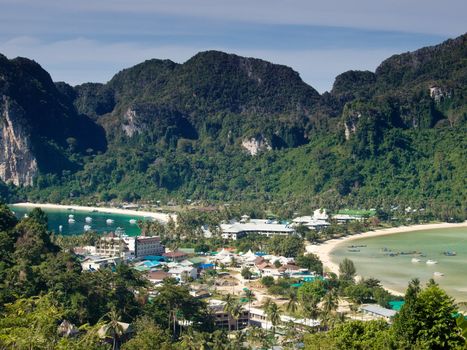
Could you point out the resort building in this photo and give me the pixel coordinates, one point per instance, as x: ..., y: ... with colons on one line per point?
x: 235, y: 230
x: 222, y: 319
x: 259, y: 318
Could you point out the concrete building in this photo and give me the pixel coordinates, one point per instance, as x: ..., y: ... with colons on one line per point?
x: 235, y: 230
x: 378, y: 311
x: 259, y: 318
x: 94, y: 263
x: 222, y: 319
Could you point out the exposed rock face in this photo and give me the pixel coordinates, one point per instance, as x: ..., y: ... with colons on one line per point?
x: 131, y: 125
x: 350, y: 125
x: 17, y: 162
x: 256, y: 145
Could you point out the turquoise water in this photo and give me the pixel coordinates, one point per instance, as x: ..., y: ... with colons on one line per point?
x: 60, y: 217
x: 396, y: 271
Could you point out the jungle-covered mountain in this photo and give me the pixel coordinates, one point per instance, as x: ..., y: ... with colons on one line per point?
x: 225, y: 127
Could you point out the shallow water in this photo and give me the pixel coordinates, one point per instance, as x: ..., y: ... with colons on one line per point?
x: 60, y: 217
x: 396, y: 271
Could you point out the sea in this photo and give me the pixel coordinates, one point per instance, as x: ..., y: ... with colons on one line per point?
x: 58, y: 221
x: 389, y: 259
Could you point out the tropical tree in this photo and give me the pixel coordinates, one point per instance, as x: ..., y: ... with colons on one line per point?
x: 229, y: 307
x: 347, y: 270
x: 250, y: 297
x: 292, y: 304
x: 273, y: 314
x: 114, y: 328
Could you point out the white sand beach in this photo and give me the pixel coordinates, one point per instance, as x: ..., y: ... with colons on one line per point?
x: 158, y: 216
x: 323, y: 250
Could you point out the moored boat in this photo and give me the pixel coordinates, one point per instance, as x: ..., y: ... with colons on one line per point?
x: 71, y: 221
x: 88, y: 219
x: 109, y: 221
x: 87, y: 227
x: 133, y: 221
x: 438, y: 274
x: 431, y: 262
x: 416, y: 260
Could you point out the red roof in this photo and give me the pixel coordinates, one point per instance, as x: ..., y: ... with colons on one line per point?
x: 158, y: 275
x: 176, y: 254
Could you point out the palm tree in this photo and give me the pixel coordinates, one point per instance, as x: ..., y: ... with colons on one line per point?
x: 229, y: 306
x: 250, y: 296
x: 274, y: 315
x: 292, y: 304
x: 114, y: 328
x: 236, y: 312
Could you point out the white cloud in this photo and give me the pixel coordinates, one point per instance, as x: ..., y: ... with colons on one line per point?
x: 445, y: 17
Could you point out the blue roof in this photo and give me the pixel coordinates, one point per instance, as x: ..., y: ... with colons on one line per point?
x: 151, y: 263
x: 154, y: 258
x: 206, y: 266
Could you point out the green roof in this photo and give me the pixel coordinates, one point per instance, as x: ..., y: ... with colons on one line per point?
x: 142, y: 268
x: 396, y: 304
x: 196, y: 260
x: 187, y: 250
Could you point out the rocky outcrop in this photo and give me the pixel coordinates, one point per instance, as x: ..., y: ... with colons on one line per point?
x: 256, y: 145
x: 17, y: 162
x: 131, y: 124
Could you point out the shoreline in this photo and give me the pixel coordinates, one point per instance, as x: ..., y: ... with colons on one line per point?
x: 158, y: 216
x: 323, y: 250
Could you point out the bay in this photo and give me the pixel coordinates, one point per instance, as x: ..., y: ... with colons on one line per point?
x: 373, y: 259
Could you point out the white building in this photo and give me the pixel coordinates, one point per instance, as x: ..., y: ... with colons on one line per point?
x: 181, y: 272
x: 148, y: 246
x: 235, y: 230
x: 318, y: 221
x: 259, y: 318
x: 94, y: 263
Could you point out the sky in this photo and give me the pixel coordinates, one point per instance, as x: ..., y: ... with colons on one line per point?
x: 79, y: 41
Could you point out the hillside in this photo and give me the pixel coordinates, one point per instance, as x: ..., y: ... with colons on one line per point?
x: 225, y: 127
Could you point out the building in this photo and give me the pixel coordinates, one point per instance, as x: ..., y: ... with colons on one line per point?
x: 175, y: 256
x: 145, y: 246
x: 235, y: 230
x: 157, y: 277
x: 181, y: 273
x: 94, y: 263
x: 223, y: 320
x: 318, y: 221
x: 378, y: 311
x: 112, y: 245
x: 259, y: 318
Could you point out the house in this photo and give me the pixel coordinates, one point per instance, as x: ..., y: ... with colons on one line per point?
x: 378, y: 311
x: 157, y: 277
x: 175, y: 256
x: 182, y: 272
x: 148, y: 246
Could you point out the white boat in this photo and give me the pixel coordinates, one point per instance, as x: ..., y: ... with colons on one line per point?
x: 109, y: 221
x: 26, y: 216
x: 88, y: 219
x: 71, y: 221
x: 416, y: 260
x: 71, y: 216
x: 87, y: 227
x: 60, y: 227
x: 133, y: 221
x: 431, y: 262
x: 438, y: 274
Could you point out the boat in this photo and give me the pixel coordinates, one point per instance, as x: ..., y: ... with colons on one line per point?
x: 71, y: 221
x: 71, y: 216
x: 88, y: 219
x: 450, y: 253
x: 416, y: 260
x: 60, y: 227
x: 109, y: 221
x: 133, y: 221
x: 438, y: 274
x: 431, y: 262
x: 87, y: 227
x: 353, y: 250
x: 26, y: 216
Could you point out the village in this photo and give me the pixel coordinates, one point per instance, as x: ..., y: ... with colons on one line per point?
x: 254, y: 278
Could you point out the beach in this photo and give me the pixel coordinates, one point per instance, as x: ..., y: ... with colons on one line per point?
x: 323, y: 250
x: 158, y: 216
